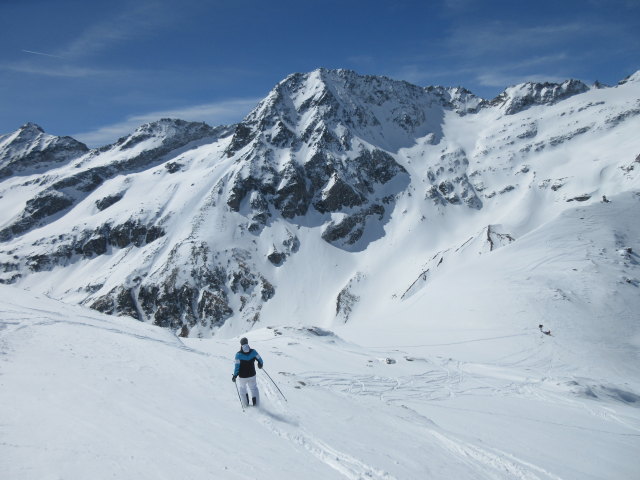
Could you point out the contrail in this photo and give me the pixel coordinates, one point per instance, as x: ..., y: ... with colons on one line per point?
x: 40, y: 53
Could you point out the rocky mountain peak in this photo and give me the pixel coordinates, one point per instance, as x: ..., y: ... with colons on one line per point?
x: 331, y: 107
x: 524, y: 95
x: 30, y: 150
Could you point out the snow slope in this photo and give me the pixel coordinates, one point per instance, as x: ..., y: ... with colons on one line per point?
x: 457, y: 383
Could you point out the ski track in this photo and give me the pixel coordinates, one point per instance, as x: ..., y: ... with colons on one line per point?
x: 489, y: 464
x: 493, y: 464
x: 449, y: 379
x: 441, y: 385
x: 347, y: 465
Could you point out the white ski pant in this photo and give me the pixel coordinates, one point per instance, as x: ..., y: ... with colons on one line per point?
x: 248, y: 386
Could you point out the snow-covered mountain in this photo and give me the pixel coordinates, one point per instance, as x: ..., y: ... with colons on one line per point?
x: 396, y: 254
x: 332, y: 183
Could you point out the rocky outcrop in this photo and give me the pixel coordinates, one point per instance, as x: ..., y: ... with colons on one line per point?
x: 459, y: 99
x: 490, y: 238
x: 279, y: 253
x: 348, y: 231
x: 325, y: 182
x: 199, y: 301
x: 91, y: 243
x: 347, y: 299
x: 450, y: 184
x: 109, y: 200
x: 44, y: 205
x: 496, y: 238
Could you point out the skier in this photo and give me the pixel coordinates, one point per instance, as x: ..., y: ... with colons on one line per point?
x: 246, y: 370
x: 548, y: 332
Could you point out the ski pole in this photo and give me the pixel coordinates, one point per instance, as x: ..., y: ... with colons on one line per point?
x: 274, y: 383
x: 238, y: 391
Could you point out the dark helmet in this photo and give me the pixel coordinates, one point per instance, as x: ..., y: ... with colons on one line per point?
x: 244, y: 341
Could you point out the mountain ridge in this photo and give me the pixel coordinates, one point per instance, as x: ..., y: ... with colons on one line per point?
x: 206, y: 229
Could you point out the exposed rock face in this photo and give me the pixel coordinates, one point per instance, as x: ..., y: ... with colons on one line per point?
x: 348, y: 298
x: 350, y: 229
x: 324, y: 182
x: 450, y: 183
x: 92, y: 243
x: 109, y: 200
x: 196, y: 297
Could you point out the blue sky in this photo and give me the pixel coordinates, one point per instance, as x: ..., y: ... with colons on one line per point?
x: 97, y: 69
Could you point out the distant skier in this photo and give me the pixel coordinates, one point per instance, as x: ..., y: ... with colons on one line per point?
x: 548, y: 332
x: 246, y: 370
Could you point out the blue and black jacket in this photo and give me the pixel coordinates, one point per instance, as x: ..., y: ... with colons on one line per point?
x: 245, y: 364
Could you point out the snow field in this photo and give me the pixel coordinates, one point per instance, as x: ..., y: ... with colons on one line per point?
x: 82, y: 392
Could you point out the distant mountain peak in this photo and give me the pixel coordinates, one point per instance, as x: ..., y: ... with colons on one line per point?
x: 30, y: 150
x: 167, y: 130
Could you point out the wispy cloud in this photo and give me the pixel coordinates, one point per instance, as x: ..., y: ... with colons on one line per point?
x: 533, y: 69
x: 217, y: 113
x: 500, y: 74
x: 503, y: 39
x: 55, y: 70
x: 419, y: 74
x: 138, y: 19
x: 32, y: 52
x: 503, y: 53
